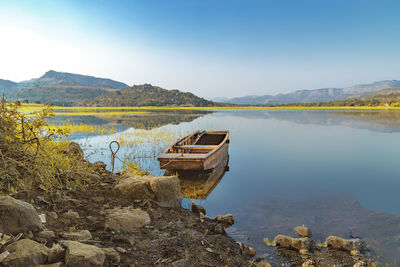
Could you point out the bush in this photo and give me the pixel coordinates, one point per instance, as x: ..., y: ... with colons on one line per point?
x: 34, y: 156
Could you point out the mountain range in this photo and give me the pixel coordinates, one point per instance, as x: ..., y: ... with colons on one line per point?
x: 311, y: 96
x: 69, y: 89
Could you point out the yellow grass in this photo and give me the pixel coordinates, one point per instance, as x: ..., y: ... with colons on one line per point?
x: 108, y: 113
x: 30, y: 107
x: 72, y: 128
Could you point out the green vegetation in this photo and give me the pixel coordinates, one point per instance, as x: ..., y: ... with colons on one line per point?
x: 149, y: 95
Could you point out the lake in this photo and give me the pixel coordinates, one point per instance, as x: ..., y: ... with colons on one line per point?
x: 335, y: 171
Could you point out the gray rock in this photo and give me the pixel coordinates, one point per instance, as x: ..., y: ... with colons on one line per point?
x: 26, y: 252
x: 18, y: 216
x: 126, y: 219
x: 303, y: 231
x: 226, y: 220
x: 354, y: 246
x: 164, y: 190
x: 56, y: 254
x: 303, y: 244
x: 79, y: 254
x: 45, y: 236
x: 112, y: 255
x: 78, y: 236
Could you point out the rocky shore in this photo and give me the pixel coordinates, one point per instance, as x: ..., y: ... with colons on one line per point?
x: 119, y: 220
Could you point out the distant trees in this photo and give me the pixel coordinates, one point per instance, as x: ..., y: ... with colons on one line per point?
x: 148, y: 95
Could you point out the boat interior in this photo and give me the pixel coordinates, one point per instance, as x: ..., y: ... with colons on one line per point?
x: 200, y: 142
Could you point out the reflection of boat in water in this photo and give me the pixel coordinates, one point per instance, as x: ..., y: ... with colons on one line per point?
x: 199, y: 184
x: 201, y: 150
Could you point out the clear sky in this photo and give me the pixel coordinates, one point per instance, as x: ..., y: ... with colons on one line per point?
x: 208, y: 47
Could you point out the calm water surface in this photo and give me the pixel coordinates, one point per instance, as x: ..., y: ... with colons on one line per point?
x: 337, y: 172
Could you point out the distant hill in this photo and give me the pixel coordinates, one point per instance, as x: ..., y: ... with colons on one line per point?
x: 149, y: 95
x: 7, y: 86
x: 60, y: 94
x: 316, y: 95
x: 54, y: 77
x: 384, y: 97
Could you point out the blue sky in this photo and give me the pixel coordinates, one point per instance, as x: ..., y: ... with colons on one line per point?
x: 209, y: 47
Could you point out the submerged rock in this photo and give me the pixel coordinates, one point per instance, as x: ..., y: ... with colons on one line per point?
x: 26, y: 252
x: 163, y: 190
x: 79, y: 254
x: 17, y: 216
x: 303, y: 231
x: 127, y: 219
x: 354, y: 246
x: 303, y: 244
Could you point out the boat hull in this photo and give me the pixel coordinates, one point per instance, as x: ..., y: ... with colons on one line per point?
x: 195, y: 161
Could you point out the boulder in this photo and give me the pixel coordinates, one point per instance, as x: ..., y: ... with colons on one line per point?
x: 79, y: 254
x: 226, y: 220
x: 26, y: 252
x: 126, y: 219
x: 112, y: 255
x: 78, y: 236
x: 354, y: 246
x: 163, y: 190
x: 17, y: 216
x: 75, y: 150
x: 303, y: 231
x: 303, y: 244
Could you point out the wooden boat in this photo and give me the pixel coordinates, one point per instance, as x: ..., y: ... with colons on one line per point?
x: 201, y: 150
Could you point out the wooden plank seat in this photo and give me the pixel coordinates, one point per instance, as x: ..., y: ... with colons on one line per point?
x: 196, y: 147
